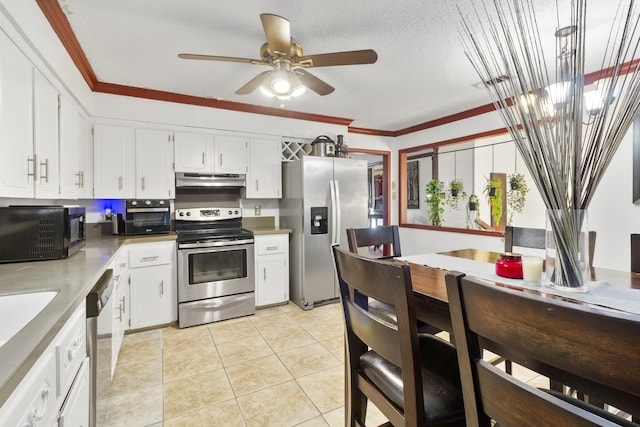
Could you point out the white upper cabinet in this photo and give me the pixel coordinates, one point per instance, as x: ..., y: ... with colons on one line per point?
x: 85, y: 159
x: 17, y: 165
x: 264, y: 175
x: 45, y: 138
x: 70, y: 177
x: 206, y: 153
x: 231, y: 155
x: 194, y: 152
x: 155, y: 178
x: 114, y: 162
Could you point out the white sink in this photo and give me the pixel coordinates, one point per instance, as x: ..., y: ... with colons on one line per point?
x: 18, y: 310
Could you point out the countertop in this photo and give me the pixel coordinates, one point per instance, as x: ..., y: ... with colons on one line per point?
x: 263, y: 231
x: 73, y: 278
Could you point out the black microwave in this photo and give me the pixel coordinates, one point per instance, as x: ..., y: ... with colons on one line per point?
x: 34, y: 233
x: 147, y: 217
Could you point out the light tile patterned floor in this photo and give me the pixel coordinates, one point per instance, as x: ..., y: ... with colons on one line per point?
x: 281, y: 367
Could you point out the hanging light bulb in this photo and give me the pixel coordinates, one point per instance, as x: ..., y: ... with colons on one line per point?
x: 280, y: 81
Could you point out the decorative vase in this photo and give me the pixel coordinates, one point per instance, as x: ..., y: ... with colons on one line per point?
x: 567, y: 249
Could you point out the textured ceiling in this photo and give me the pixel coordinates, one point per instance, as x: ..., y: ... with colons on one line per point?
x: 421, y: 73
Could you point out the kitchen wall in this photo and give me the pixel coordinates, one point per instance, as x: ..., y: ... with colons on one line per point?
x: 611, y: 214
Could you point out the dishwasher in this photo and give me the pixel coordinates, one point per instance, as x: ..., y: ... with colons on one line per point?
x: 97, y: 300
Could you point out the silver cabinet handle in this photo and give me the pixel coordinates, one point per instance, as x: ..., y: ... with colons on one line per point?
x: 33, y: 174
x: 257, y: 185
x: 120, y: 182
x: 122, y: 305
x: 162, y: 287
x: 150, y: 258
x: 220, y: 159
x: 81, y: 179
x: 142, y: 184
x: 203, y: 158
x: 264, y: 274
x: 272, y: 248
x: 46, y: 170
x: 79, y: 182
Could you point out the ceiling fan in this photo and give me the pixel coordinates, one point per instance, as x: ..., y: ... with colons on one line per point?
x: 289, y: 76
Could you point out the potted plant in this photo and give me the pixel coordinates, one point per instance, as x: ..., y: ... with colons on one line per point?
x: 434, y: 199
x: 517, y: 195
x: 473, y: 210
x: 456, y: 193
x: 493, y: 191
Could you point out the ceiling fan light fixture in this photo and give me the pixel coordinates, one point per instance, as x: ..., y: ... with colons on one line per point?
x: 297, y: 88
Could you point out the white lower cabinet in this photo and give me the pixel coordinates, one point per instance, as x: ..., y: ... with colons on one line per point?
x: 153, y: 283
x: 55, y: 391
x: 272, y: 269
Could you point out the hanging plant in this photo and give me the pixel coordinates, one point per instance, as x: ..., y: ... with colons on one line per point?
x: 473, y: 210
x: 493, y: 191
x: 434, y: 200
x: 455, y: 193
x: 516, y: 196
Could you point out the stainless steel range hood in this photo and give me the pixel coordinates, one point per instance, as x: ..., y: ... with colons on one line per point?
x: 200, y: 180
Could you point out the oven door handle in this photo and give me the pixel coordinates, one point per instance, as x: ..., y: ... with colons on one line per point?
x: 214, y: 244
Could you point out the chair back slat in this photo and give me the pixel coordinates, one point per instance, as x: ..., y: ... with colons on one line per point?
x: 535, y: 238
x: 595, y: 351
x: 508, y: 394
x: 386, y: 236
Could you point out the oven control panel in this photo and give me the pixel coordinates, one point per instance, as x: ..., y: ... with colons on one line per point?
x: 207, y: 214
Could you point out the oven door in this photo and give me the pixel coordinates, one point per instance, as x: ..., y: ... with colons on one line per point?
x: 217, y: 271
x: 147, y: 221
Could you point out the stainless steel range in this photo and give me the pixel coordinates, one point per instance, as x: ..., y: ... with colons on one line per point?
x: 215, y: 266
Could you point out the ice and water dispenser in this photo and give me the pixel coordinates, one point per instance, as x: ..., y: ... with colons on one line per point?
x: 319, y: 220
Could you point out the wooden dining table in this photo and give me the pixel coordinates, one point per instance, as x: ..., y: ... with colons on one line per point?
x: 430, y: 291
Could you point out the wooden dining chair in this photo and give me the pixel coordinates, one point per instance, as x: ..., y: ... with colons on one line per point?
x: 535, y: 238
x: 593, y: 350
x: 387, y: 237
x: 381, y: 236
x: 412, y: 378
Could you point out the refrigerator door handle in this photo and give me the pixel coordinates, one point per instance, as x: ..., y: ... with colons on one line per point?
x: 333, y: 216
x: 337, y: 210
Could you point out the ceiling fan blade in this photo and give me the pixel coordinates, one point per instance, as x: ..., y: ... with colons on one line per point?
x: 278, y: 32
x: 253, y: 84
x: 221, y: 58
x: 314, y: 83
x: 354, y: 57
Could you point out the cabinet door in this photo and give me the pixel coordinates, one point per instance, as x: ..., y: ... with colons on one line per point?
x: 85, y: 159
x: 153, y: 284
x: 69, y: 170
x: 17, y: 165
x: 114, y: 162
x: 152, y: 296
x: 230, y: 154
x: 272, y: 269
x: 45, y: 137
x: 155, y: 178
x: 193, y: 152
x: 264, y: 175
x: 271, y: 280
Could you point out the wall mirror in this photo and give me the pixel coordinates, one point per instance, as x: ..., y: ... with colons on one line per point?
x: 471, y: 162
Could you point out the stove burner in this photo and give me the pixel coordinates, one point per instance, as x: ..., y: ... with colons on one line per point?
x: 209, y: 226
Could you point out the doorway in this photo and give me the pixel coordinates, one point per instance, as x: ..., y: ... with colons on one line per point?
x: 379, y: 183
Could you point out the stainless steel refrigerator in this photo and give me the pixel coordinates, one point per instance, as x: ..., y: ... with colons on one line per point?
x: 322, y: 197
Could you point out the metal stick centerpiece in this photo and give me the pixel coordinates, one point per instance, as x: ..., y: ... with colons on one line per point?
x: 566, y: 137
